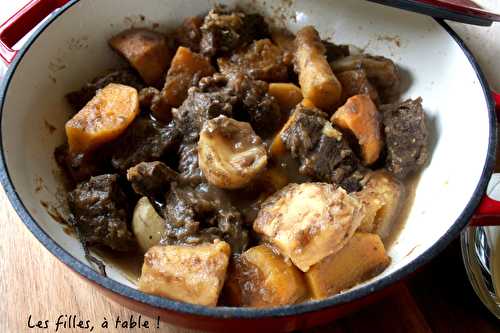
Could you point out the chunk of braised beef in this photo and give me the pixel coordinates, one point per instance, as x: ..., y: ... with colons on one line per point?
x: 148, y: 96
x: 334, y: 51
x: 190, y: 172
x: 145, y: 140
x: 201, y: 215
x: 78, y: 99
x: 406, y: 137
x: 355, y: 82
x: 261, y: 60
x: 79, y: 166
x: 224, y: 31
x: 151, y: 179
x: 323, y: 152
x: 101, y: 212
x: 255, y: 105
x: 204, y: 102
x: 189, y: 33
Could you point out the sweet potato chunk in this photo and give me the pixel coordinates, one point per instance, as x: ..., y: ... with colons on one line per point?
x: 262, y: 278
x: 193, y: 274
x: 360, y: 116
x: 147, y: 52
x: 186, y: 69
x: 362, y: 258
x: 103, y: 119
x: 382, y: 197
x: 261, y: 60
x: 317, y: 81
x: 288, y: 95
x: 308, y: 222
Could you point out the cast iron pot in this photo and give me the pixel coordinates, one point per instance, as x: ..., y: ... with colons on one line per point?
x: 70, y: 48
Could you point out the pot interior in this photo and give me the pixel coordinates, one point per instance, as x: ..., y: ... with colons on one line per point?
x: 73, y: 49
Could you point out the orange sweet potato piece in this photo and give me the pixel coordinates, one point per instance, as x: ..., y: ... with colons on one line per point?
x: 287, y: 94
x: 262, y: 278
x: 362, y: 258
x: 146, y: 50
x: 103, y: 118
x: 186, y: 67
x: 360, y: 116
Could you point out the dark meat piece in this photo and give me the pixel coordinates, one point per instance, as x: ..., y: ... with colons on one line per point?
x: 151, y: 179
x: 204, y: 102
x: 323, y: 151
x: 334, y: 51
x: 355, y: 82
x: 406, y: 137
x: 380, y: 71
x: 255, y: 105
x: 101, y: 212
x: 145, y: 140
x: 189, y: 33
x: 80, y: 166
x: 261, y: 60
x: 148, y: 96
x: 224, y: 31
x: 191, y: 173
x: 78, y: 99
x: 200, y: 215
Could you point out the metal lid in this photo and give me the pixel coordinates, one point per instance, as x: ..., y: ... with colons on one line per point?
x: 465, y: 11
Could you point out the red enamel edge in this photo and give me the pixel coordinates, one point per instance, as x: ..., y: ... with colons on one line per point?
x: 19, y: 24
x: 488, y: 212
x: 464, y: 6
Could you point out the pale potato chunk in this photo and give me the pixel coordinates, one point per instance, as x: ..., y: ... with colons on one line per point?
x: 309, y: 221
x: 230, y: 154
x: 288, y: 95
x: 382, y: 196
x: 360, y: 116
x: 103, y: 118
x: 362, y: 258
x: 147, y: 52
x: 317, y: 81
x: 147, y: 225
x: 192, y: 274
x: 262, y: 278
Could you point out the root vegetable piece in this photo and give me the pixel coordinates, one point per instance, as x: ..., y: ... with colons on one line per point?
x: 192, y: 274
x: 186, y: 69
x: 147, y: 225
x: 262, y: 278
x: 103, y: 118
x: 317, y: 81
x: 308, y: 222
x: 230, y: 154
x: 288, y: 95
x: 147, y: 52
x: 382, y: 197
x: 362, y: 258
x: 360, y: 116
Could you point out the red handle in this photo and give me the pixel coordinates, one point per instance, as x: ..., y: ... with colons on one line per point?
x: 488, y: 212
x: 22, y: 22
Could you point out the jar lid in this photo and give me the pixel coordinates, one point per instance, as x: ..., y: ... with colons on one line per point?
x: 465, y: 11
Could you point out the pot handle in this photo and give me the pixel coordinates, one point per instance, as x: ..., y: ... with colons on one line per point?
x: 19, y: 24
x: 488, y: 212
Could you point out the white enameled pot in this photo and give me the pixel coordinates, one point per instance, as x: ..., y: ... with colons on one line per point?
x: 70, y: 48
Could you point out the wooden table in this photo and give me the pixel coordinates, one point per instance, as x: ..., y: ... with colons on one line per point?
x: 438, y: 298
